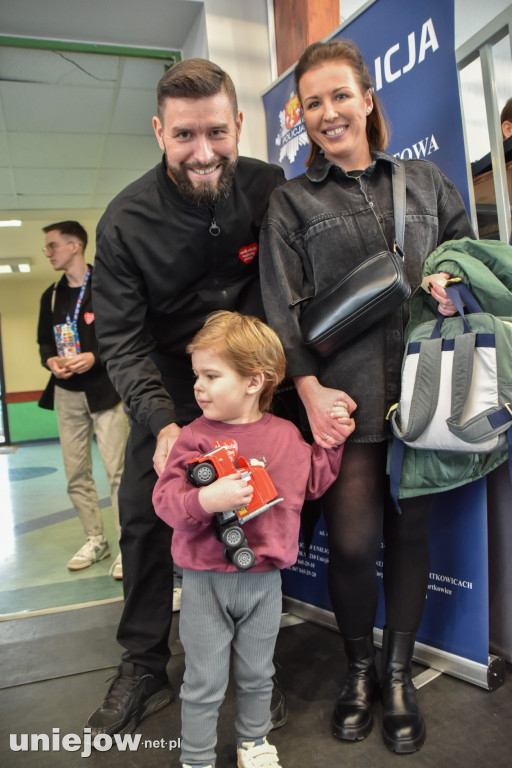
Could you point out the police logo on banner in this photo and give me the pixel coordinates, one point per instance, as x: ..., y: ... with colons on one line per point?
x: 292, y: 134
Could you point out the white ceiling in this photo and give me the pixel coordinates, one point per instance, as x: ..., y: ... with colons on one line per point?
x: 75, y: 129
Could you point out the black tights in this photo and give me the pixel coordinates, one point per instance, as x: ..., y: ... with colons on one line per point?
x: 359, y: 513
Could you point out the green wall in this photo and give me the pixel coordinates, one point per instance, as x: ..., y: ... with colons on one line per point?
x: 29, y: 422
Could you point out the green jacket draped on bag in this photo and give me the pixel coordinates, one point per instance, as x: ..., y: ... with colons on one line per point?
x: 485, y: 266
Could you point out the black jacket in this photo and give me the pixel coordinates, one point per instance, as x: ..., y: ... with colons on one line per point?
x: 159, y: 271
x: 322, y: 225
x: 96, y: 384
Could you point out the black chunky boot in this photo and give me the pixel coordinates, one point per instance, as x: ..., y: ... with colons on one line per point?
x: 352, y: 718
x: 403, y: 727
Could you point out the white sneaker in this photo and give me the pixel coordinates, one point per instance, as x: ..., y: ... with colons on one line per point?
x: 95, y: 549
x: 258, y: 754
x: 116, y: 569
x: 186, y: 765
x: 176, y: 602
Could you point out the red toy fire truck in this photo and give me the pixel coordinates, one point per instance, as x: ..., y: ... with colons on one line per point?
x: 219, y: 462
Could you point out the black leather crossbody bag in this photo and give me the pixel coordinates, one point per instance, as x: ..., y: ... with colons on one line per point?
x: 371, y: 291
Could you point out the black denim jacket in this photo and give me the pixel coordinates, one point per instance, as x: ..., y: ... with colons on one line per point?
x: 320, y: 226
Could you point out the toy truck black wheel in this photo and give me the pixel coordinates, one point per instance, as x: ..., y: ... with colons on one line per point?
x: 243, y: 558
x: 232, y: 537
x: 202, y: 473
x: 227, y: 554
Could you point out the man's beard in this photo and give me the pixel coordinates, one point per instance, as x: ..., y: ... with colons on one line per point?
x: 203, y: 193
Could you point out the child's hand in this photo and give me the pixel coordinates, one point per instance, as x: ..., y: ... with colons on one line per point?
x: 340, y: 413
x: 226, y: 493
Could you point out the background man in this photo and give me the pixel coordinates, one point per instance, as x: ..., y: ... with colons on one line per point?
x: 506, y: 119
x: 506, y: 129
x: 177, y: 244
x: 79, y: 386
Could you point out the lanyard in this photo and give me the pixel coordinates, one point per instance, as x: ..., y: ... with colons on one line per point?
x: 79, y: 300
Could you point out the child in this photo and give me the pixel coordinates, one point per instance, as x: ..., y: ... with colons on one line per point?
x: 238, y: 361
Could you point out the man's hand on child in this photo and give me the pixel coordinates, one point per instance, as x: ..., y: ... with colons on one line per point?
x: 226, y: 493
x: 164, y: 443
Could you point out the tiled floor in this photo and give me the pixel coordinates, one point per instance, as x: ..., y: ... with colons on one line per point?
x: 467, y: 727
x: 57, y: 649
x: 40, y: 532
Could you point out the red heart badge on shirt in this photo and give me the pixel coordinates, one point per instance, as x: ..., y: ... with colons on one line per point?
x: 248, y: 252
x: 89, y: 317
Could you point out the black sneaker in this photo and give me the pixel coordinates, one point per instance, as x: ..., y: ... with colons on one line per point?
x: 278, y: 707
x: 129, y: 699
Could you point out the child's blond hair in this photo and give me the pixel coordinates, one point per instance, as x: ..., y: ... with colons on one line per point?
x: 248, y: 345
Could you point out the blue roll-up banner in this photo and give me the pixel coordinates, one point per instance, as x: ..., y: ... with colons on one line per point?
x: 455, y: 619
x: 409, y: 49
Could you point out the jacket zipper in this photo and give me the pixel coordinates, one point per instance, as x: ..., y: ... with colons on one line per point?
x: 214, y: 228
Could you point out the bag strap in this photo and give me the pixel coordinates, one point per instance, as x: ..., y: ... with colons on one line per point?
x: 477, y: 428
x: 399, y: 193
x: 462, y: 291
x: 462, y: 376
x: 399, y: 188
x: 463, y: 299
x: 425, y: 393
x: 499, y: 419
x: 396, y: 461
x: 54, y: 291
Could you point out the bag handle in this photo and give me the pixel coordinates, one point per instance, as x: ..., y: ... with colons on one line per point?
x: 458, y: 293
x: 463, y: 299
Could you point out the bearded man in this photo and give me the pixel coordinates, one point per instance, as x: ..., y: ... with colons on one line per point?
x: 174, y: 246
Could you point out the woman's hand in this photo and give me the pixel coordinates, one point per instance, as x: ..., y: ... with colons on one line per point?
x: 329, y: 411
x: 446, y: 306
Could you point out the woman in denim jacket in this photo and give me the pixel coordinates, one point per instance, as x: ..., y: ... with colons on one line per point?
x: 320, y: 226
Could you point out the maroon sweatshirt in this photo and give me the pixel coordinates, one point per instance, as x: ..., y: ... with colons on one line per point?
x: 298, y: 471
